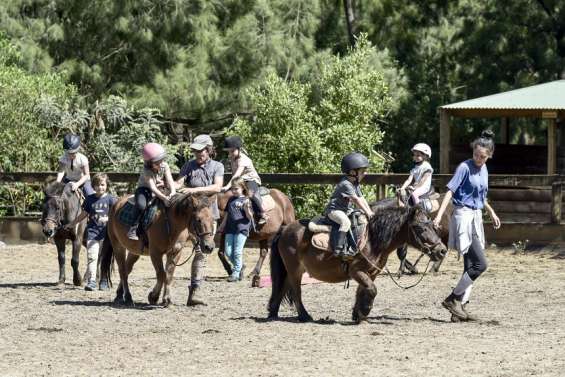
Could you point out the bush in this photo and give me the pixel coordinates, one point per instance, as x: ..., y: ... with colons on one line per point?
x: 309, y: 127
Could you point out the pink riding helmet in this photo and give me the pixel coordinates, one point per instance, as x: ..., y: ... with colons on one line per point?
x: 153, y: 152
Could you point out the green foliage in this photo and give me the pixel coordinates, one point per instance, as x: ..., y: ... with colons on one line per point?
x: 309, y: 127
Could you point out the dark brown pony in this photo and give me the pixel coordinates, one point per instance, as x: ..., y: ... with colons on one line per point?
x: 60, y: 207
x: 187, y: 212
x: 292, y: 254
x: 282, y: 214
x: 405, y: 265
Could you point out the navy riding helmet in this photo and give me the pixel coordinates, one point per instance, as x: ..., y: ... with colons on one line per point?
x: 353, y: 161
x: 233, y: 142
x: 71, y: 143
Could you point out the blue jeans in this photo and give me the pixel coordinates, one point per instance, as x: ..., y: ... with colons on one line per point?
x: 233, y: 248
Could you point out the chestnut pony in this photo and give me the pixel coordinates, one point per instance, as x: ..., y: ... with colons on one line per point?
x: 187, y: 212
x: 292, y: 254
x: 282, y: 214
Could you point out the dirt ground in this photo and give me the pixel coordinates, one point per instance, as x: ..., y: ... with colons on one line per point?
x: 49, y: 330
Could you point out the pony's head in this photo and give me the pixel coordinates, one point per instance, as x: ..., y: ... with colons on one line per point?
x: 406, y: 224
x: 201, y: 220
x: 53, y: 208
x: 423, y: 235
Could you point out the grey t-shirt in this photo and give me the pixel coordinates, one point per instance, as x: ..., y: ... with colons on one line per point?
x: 340, y: 199
x: 202, y: 176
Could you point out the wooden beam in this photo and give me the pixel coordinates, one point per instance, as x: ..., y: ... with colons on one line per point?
x: 504, y: 136
x: 444, y: 141
x: 551, y: 147
x: 556, y: 200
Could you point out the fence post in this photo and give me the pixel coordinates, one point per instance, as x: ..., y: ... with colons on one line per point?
x: 556, y: 202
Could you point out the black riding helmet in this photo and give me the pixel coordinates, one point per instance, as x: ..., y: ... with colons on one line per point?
x: 71, y: 143
x: 353, y: 161
x: 233, y: 142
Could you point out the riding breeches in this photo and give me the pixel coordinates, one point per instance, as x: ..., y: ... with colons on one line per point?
x: 143, y: 196
x: 341, y: 218
x: 255, y: 197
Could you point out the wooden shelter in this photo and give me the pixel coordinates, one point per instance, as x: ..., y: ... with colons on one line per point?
x: 543, y: 101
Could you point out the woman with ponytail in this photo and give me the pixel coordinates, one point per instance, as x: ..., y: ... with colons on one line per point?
x: 467, y: 190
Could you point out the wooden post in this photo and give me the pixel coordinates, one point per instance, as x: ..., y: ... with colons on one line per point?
x: 444, y: 141
x: 551, y: 147
x: 504, y: 130
x: 556, y: 201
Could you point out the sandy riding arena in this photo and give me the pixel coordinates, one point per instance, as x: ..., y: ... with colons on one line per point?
x: 51, y: 330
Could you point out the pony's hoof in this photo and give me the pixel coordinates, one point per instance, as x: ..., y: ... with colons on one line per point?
x: 61, y: 283
x: 119, y: 301
x: 255, y: 280
x: 166, y: 302
x: 103, y: 285
x: 77, y: 280
x: 152, y: 298
x: 305, y: 318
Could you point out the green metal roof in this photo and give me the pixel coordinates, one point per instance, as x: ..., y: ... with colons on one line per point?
x: 548, y: 96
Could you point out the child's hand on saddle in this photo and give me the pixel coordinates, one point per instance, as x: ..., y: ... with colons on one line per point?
x: 166, y: 201
x: 74, y: 186
x: 370, y: 214
x: 185, y: 190
x: 437, y: 224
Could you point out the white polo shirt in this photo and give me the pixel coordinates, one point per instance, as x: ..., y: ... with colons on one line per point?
x: 73, y: 168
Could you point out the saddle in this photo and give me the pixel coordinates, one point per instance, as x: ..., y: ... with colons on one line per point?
x: 125, y: 215
x: 429, y: 201
x: 325, y: 233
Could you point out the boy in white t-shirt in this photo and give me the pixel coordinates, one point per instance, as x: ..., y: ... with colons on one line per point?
x: 73, y: 166
x: 419, y: 181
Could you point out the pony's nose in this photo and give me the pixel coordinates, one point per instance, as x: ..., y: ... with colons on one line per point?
x: 48, y: 232
x: 208, y: 247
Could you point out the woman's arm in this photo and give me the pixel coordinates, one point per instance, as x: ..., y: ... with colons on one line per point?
x: 236, y: 174
x: 495, y: 220
x: 444, y: 204
x: 214, y: 188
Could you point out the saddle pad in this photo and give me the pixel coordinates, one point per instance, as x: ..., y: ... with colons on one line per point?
x: 126, y: 215
x: 321, y: 241
x: 268, y: 203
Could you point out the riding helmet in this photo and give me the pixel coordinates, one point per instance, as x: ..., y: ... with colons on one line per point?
x: 354, y: 161
x: 71, y: 143
x: 233, y: 142
x: 423, y: 148
x: 153, y: 152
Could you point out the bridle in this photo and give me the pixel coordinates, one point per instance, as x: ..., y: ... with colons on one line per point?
x: 196, y: 229
x: 57, y: 221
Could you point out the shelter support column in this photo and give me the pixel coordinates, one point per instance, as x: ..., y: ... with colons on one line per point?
x: 551, y: 147
x: 444, y: 141
x: 556, y: 202
x: 504, y: 130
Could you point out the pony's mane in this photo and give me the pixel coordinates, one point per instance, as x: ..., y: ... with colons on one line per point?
x: 54, y: 189
x: 385, y: 224
x: 183, y: 202
x: 384, y: 204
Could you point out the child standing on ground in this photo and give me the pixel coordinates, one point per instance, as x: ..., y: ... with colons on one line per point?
x: 236, y: 225
x: 346, y: 195
x: 96, y: 207
x: 419, y: 181
x: 154, y: 179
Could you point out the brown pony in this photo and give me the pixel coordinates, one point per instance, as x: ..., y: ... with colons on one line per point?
x: 292, y: 254
x: 60, y: 207
x: 282, y: 214
x: 187, y: 212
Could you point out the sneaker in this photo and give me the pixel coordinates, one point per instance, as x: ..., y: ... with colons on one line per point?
x: 232, y: 278
x: 132, y: 233
x: 91, y: 286
x: 241, y: 272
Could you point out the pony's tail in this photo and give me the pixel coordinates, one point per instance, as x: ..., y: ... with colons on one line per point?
x: 106, y: 259
x: 280, y: 289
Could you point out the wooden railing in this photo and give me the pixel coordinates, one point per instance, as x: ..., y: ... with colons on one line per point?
x: 545, y: 188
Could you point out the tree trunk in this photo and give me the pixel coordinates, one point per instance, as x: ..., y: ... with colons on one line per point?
x: 350, y: 20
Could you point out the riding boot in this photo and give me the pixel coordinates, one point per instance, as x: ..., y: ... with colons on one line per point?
x: 340, y: 244
x: 453, y: 304
x: 193, y: 299
x: 132, y: 232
